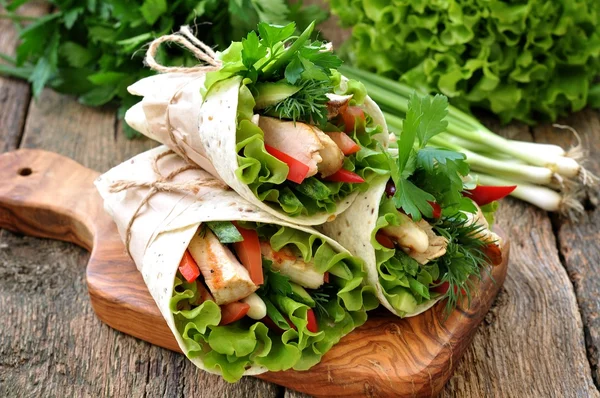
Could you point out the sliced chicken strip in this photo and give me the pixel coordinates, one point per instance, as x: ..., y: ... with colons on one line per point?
x: 485, y: 234
x: 408, y: 235
x: 332, y: 155
x: 227, y: 279
x: 336, y: 104
x: 292, y: 266
x: 298, y: 140
x: 437, y: 245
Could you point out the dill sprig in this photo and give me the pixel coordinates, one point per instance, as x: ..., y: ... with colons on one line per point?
x: 465, y: 256
x: 322, y: 296
x: 309, y: 104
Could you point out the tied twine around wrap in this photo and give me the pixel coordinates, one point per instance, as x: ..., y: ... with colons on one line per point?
x: 162, y: 184
x: 203, y: 53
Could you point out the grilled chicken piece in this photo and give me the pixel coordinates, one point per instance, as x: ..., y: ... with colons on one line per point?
x: 226, y: 278
x: 437, y: 245
x: 336, y: 104
x: 332, y: 155
x: 298, y: 140
x: 408, y: 235
x: 485, y: 234
x: 292, y: 266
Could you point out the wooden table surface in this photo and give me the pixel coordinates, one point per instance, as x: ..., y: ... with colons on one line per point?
x: 540, y: 339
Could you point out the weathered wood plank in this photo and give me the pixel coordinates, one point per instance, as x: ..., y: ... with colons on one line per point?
x: 579, y: 242
x: 53, y: 344
x: 14, y: 94
x: 531, y: 343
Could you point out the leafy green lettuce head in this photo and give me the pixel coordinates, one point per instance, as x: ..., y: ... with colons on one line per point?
x: 526, y: 60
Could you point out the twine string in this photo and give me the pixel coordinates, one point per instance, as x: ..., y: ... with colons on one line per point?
x: 185, y: 38
x: 162, y: 184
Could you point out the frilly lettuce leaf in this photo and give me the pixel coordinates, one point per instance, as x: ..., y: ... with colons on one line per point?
x: 400, y: 276
x: 266, y: 176
x: 521, y: 60
x: 230, y: 349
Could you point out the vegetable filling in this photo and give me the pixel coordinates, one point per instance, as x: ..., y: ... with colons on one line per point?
x: 304, y: 139
x: 251, y: 294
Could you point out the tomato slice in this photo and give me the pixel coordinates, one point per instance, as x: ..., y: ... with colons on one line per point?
x: 384, y: 240
x: 353, y: 117
x: 437, y: 210
x: 233, y: 311
x: 343, y: 175
x: 344, y: 142
x: 312, y: 325
x: 297, y: 170
x: 326, y: 277
x: 484, y: 194
x: 248, y: 251
x: 188, y: 267
x: 493, y: 253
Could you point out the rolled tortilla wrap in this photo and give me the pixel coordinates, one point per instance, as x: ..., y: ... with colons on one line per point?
x: 356, y: 229
x: 215, y: 132
x: 162, y: 232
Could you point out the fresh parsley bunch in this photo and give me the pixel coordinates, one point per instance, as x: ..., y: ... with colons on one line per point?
x: 424, y: 174
x: 94, y: 49
x: 524, y: 60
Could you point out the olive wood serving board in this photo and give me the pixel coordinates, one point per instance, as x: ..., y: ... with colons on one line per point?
x: 47, y: 195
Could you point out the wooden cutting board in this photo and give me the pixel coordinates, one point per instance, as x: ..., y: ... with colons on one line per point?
x: 47, y: 195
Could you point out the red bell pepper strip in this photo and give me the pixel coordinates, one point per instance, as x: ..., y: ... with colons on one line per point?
x: 344, y: 142
x: 297, y: 170
x: 484, y: 194
x: 437, y: 210
x: 343, y: 175
x: 248, y: 251
x: 351, y: 116
x: 493, y: 253
x: 312, y: 325
x: 233, y: 311
x: 384, y: 240
x: 188, y: 267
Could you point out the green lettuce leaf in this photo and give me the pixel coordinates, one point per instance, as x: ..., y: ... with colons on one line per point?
x: 526, y: 60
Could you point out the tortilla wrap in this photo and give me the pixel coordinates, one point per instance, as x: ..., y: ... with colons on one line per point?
x: 353, y: 230
x: 166, y: 224
x: 174, y: 113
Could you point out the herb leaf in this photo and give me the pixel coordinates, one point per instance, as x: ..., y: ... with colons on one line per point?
x: 413, y: 200
x: 225, y: 231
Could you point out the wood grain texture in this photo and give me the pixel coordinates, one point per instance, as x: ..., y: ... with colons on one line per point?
x: 385, y: 357
x: 54, y: 345
x: 531, y: 343
x: 579, y: 242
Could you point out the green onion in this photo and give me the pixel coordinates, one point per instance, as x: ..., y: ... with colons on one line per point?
x: 538, y: 169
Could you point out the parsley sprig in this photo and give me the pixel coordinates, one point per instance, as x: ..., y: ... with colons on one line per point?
x: 426, y: 174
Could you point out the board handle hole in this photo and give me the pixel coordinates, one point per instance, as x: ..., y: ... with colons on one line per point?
x: 25, y: 171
